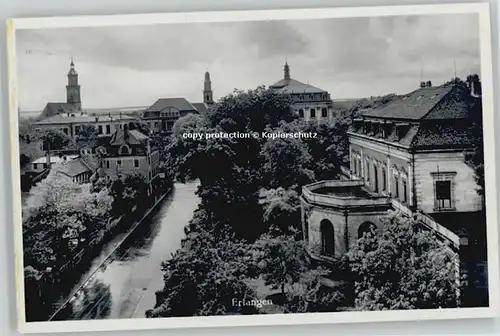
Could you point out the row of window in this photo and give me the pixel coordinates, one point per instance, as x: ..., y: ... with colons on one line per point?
x: 328, y: 235
x: 312, y: 113
x: 443, y: 183
x: 311, y: 96
x: 377, y: 179
x: 168, y: 126
x: 119, y: 163
x: 170, y: 114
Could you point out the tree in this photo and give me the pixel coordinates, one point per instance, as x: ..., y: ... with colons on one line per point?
x: 282, y: 260
x: 54, y: 140
x: 281, y: 210
x: 56, y: 205
x: 328, y: 148
x: 129, y: 193
x: 285, y: 163
x: 229, y: 169
x: 87, y: 132
x: 203, y: 277
x: 309, y: 295
x: 402, y: 266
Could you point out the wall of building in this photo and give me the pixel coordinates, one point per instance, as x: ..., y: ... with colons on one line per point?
x: 371, y: 160
x: 126, y: 165
x: 312, y: 216
x: 71, y: 129
x: 318, y: 107
x: 427, y: 168
x: 430, y: 167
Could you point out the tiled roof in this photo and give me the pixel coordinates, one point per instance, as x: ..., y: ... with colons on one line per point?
x: 415, y: 105
x: 435, y: 118
x: 180, y: 104
x: 54, y: 159
x: 53, y: 109
x: 134, y: 137
x: 294, y: 86
x: 73, y: 168
x: 443, y: 135
x: 201, y: 107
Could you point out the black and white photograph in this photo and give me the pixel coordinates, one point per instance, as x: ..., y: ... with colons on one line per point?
x: 318, y: 166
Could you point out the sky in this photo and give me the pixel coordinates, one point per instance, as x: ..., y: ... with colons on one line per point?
x: 349, y: 57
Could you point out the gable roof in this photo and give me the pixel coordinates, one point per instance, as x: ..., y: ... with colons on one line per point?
x: 294, y: 86
x: 73, y: 168
x: 131, y: 137
x: 180, y: 104
x: 448, y: 101
x: 52, y: 109
x: 201, y: 107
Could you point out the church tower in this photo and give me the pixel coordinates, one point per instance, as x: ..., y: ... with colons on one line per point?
x: 73, y: 88
x: 287, y: 71
x: 208, y: 95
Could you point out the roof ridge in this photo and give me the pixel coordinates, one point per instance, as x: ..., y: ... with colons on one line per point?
x: 439, y: 100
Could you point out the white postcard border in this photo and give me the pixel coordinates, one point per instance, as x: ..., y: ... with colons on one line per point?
x: 275, y: 319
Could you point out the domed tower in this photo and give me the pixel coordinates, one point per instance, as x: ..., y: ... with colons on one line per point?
x: 73, y: 88
x: 208, y: 95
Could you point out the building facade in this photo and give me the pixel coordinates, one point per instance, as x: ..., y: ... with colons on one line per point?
x: 162, y: 115
x: 128, y: 152
x: 72, y: 124
x: 309, y: 102
x: 409, y: 155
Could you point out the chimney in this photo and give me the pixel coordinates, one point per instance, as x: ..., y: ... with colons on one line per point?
x: 474, y: 85
x: 428, y: 84
x: 422, y: 84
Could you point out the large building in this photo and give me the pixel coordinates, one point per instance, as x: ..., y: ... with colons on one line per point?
x: 408, y: 155
x: 69, y: 117
x: 73, y: 104
x: 309, y: 102
x: 162, y: 115
x: 127, y: 152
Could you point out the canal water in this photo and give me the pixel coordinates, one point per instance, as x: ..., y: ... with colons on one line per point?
x: 125, y: 286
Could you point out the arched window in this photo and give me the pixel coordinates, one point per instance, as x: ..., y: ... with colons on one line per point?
x: 124, y: 150
x: 366, y: 228
x: 375, y: 178
x: 313, y: 113
x: 324, y: 112
x: 301, y: 113
x: 327, y: 238
x: 384, y: 179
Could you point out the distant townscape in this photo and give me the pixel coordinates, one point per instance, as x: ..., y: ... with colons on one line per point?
x: 383, y: 208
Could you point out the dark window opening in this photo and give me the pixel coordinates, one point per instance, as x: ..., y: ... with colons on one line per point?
x: 443, y: 194
x: 384, y: 180
x: 327, y: 238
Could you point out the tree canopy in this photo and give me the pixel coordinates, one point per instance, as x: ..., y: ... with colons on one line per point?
x: 402, y: 266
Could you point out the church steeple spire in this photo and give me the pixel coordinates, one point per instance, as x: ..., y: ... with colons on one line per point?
x: 287, y: 71
x: 73, y: 88
x: 208, y: 95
